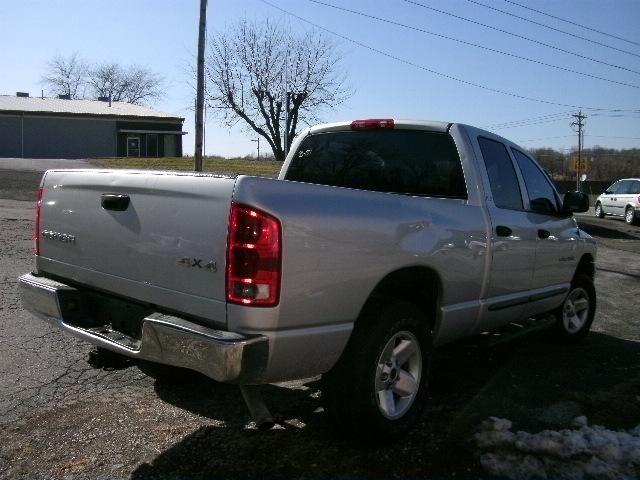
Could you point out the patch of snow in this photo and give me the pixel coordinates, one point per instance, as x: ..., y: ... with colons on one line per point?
x: 582, y: 453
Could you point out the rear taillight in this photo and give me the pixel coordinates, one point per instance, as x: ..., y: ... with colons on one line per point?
x: 254, y: 255
x: 372, y: 123
x: 36, y: 235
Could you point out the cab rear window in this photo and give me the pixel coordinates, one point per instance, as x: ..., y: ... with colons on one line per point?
x: 411, y: 162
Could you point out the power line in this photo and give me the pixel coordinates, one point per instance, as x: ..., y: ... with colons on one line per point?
x: 553, y: 117
x: 560, y: 153
x: 434, y: 72
x: 527, y: 124
x: 517, y: 35
x: 609, y: 136
x: 585, y: 135
x: 617, y: 115
x: 501, y: 52
x: 544, y: 138
x: 573, y: 23
x: 531, y: 118
x: 544, y: 118
x: 476, y: 2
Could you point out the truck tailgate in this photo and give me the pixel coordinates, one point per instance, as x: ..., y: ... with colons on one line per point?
x: 167, y: 248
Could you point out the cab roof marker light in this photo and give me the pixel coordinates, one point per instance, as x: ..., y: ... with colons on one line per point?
x: 372, y: 123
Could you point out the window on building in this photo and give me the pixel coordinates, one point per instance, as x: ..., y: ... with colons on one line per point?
x: 170, y: 149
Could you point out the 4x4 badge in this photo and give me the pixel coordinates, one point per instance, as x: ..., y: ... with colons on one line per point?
x: 197, y: 263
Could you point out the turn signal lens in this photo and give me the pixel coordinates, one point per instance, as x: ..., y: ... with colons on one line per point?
x: 253, y: 257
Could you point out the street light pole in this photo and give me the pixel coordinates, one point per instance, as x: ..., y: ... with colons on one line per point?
x: 200, y: 88
x: 258, y: 140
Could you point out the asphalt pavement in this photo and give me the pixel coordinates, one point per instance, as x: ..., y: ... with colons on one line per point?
x: 69, y: 411
x: 41, y: 164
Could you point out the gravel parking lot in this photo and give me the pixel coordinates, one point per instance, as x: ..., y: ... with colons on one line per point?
x: 67, y: 411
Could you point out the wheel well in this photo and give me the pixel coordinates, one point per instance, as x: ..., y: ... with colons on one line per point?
x: 418, y: 285
x: 586, y: 266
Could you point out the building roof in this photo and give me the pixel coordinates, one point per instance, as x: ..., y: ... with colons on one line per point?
x: 10, y: 103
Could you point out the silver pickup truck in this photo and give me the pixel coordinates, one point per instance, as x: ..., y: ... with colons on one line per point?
x: 380, y: 240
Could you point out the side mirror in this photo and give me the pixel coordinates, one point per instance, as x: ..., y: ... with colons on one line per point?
x: 607, y: 192
x: 575, y: 202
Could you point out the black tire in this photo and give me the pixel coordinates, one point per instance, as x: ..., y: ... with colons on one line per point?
x: 573, y: 328
x: 349, y: 389
x: 599, y: 210
x: 630, y: 216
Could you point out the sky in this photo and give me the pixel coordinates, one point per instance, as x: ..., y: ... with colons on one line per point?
x: 394, y: 71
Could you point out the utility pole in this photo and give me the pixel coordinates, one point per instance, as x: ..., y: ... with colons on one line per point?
x: 286, y: 106
x: 200, y: 88
x: 286, y: 123
x: 579, y: 123
x: 258, y: 140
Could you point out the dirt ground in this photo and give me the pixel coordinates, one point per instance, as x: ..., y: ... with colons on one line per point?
x: 68, y: 412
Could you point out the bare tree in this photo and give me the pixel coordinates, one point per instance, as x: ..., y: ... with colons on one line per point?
x: 73, y: 76
x: 66, y: 76
x: 260, y: 74
x: 142, y: 85
x: 134, y: 84
x: 107, y: 80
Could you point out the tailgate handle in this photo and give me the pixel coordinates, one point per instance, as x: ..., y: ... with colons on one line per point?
x: 115, y: 201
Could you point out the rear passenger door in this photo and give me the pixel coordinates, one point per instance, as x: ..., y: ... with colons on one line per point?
x: 626, y: 195
x: 512, y: 242
x: 606, y: 198
x: 617, y: 200
x: 556, y: 237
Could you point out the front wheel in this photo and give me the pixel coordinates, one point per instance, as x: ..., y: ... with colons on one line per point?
x: 575, y: 316
x: 599, y: 211
x: 377, y: 390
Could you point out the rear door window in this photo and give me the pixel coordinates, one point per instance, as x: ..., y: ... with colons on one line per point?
x: 412, y: 162
x: 505, y: 188
x: 628, y: 187
x: 542, y: 197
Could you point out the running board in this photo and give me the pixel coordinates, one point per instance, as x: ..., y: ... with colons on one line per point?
x: 510, y: 332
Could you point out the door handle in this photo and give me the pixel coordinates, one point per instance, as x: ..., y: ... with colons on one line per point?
x: 503, y: 231
x: 115, y: 201
x: 544, y: 234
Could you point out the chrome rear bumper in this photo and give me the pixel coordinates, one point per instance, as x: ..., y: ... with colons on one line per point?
x: 223, y: 356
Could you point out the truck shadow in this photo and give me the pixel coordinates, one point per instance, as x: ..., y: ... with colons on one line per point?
x: 613, y: 232
x: 537, y: 383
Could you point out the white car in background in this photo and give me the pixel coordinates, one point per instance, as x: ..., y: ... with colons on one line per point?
x: 622, y: 199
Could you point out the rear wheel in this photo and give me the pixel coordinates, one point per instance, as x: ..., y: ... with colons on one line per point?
x: 630, y: 216
x: 377, y: 389
x: 575, y: 316
x: 599, y: 211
